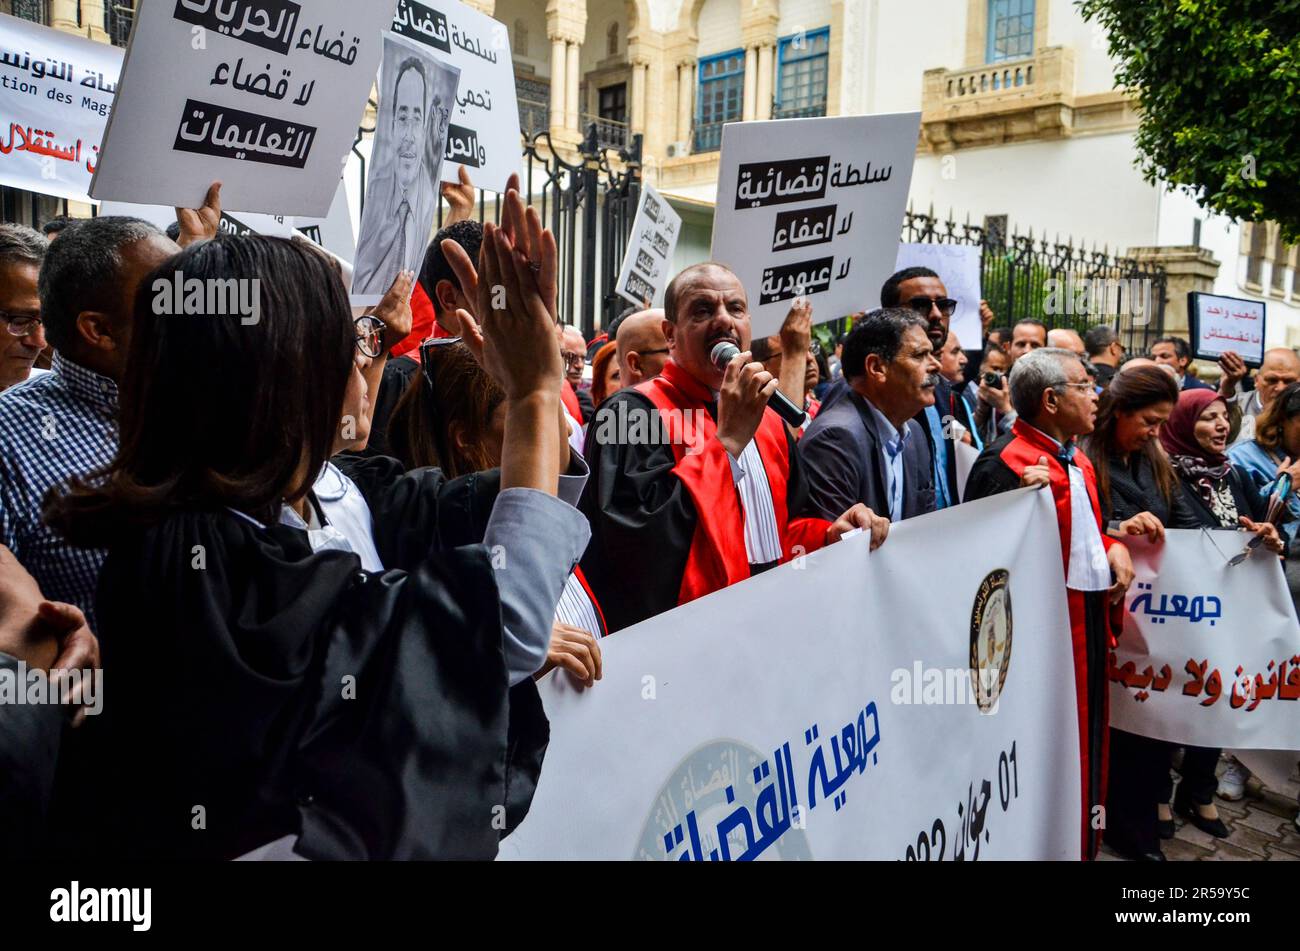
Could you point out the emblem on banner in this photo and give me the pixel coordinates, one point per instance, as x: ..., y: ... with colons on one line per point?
x: 990, y: 638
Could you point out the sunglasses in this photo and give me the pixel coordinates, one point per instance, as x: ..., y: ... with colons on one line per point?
x: 922, y: 305
x: 370, y: 335
x: 20, y: 325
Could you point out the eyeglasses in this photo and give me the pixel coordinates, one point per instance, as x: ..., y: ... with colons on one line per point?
x: 1082, y: 386
x: 20, y: 325
x: 922, y: 305
x: 370, y: 335
x: 572, y: 359
x: 650, y: 353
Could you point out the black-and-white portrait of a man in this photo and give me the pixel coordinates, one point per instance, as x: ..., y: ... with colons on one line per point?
x: 402, y: 193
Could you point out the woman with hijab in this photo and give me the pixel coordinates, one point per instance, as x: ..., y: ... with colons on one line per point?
x: 1217, y: 494
x: 368, y: 703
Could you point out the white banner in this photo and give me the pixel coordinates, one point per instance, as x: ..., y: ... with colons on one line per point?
x: 833, y: 708
x: 966, y: 456
x: 958, y: 266
x: 648, y: 261
x: 484, y: 131
x: 812, y: 208
x: 1210, y: 653
x: 56, y: 91
x: 262, y: 95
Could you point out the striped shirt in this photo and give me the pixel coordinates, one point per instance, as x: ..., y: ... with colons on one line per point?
x: 762, y: 536
x: 575, y: 608
x: 52, y: 427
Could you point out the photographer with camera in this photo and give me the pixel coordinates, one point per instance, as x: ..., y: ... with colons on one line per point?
x: 991, y: 397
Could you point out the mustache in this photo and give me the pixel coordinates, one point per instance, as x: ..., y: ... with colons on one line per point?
x: 931, y: 381
x: 730, y: 337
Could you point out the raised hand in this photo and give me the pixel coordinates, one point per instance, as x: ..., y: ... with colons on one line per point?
x: 200, y: 224
x: 394, y: 309
x: 459, y: 197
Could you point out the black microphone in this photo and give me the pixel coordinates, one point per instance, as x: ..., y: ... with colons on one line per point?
x: 725, y: 351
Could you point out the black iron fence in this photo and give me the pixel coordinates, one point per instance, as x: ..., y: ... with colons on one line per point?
x: 1058, y: 282
x: 37, y: 11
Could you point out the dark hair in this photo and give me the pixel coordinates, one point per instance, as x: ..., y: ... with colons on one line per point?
x: 57, y: 224
x: 889, y: 290
x: 82, y: 272
x: 1182, y: 349
x: 1131, y: 390
x: 670, y: 295
x: 880, y: 332
x: 452, y: 388
x: 1031, y: 322
x: 469, y: 235
x: 1268, y: 425
x: 174, y: 231
x: 1098, y: 338
x: 21, y: 245
x: 216, y: 412
x: 1004, y: 333
x: 408, y: 64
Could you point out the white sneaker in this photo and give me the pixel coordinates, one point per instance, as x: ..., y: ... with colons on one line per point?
x: 1232, y: 784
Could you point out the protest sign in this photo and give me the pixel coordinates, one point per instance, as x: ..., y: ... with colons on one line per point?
x: 942, y: 740
x: 812, y: 208
x: 262, y: 95
x: 276, y: 226
x: 1219, y: 324
x: 958, y: 266
x: 55, y: 100
x: 416, y: 96
x: 647, y: 263
x: 334, y: 232
x: 966, y: 456
x: 1210, y: 653
x: 484, y: 130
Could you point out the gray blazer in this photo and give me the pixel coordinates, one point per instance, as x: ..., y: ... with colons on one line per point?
x: 844, y: 460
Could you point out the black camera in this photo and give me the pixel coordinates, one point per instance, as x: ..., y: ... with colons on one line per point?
x: 994, y: 380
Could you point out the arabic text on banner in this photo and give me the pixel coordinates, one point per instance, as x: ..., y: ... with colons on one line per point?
x: 54, y: 106
x: 790, y: 716
x: 1210, y: 653
x: 812, y: 208
x: 261, y: 95
x: 648, y: 261
x: 484, y: 130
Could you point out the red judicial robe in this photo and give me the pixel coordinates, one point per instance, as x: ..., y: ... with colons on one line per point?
x: 1092, y: 630
x: 666, y: 517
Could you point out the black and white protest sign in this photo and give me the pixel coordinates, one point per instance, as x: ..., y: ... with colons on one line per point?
x: 416, y: 96
x: 55, y: 99
x: 813, y: 208
x: 262, y: 95
x: 484, y: 130
x: 647, y: 263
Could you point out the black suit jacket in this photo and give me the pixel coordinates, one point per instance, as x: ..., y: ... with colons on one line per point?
x: 844, y: 460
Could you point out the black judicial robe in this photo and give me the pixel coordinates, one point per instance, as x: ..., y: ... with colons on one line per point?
x: 281, y: 690
x: 643, y: 518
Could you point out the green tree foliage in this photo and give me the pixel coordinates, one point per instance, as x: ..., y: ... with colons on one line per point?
x: 1218, y: 82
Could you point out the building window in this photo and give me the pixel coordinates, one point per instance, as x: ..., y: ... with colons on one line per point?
x: 1255, y: 258
x: 35, y: 10
x: 534, y: 105
x: 1010, y: 30
x: 613, y: 103
x: 1279, y: 264
x: 118, y: 17
x: 611, y: 40
x: 802, y: 63
x: 521, y: 38
x: 720, y: 99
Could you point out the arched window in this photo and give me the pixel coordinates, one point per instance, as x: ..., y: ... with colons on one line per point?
x: 611, y: 40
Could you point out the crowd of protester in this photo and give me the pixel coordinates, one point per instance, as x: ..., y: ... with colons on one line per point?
x: 437, y: 502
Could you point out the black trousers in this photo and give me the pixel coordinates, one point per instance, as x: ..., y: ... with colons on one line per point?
x: 1140, y: 780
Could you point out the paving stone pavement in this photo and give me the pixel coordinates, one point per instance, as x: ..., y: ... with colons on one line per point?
x: 1261, y: 828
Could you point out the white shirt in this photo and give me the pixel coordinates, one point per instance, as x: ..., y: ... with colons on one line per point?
x: 762, y: 535
x: 1089, y: 569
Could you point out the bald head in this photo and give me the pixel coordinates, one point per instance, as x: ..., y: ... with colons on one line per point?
x: 1066, y: 339
x: 1281, y: 367
x: 642, y: 346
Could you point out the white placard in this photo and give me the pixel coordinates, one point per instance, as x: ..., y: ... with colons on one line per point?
x: 264, y: 96
x: 416, y: 96
x: 958, y: 266
x: 1210, y: 653
x: 484, y: 131
x: 276, y: 226
x: 791, y: 716
x: 1220, y: 324
x: 812, y: 208
x: 334, y: 232
x: 966, y: 456
x: 648, y: 261
x: 56, y: 94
